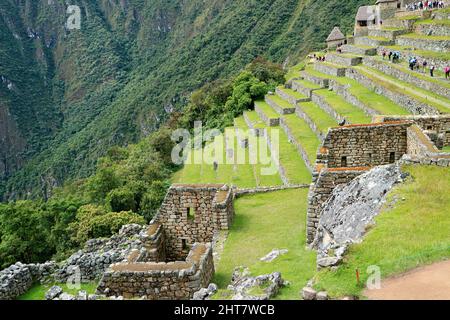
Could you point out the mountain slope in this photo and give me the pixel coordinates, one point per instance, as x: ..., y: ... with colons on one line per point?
x: 78, y: 92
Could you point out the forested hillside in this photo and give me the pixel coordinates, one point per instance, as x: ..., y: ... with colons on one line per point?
x: 68, y: 96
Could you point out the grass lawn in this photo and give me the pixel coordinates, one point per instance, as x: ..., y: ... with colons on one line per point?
x: 446, y: 149
x: 424, y: 37
x: 307, y: 84
x: 255, y: 120
x: 410, y: 233
x: 322, y: 119
x: 342, y: 107
x: 295, y: 71
x: 304, y: 135
x: 265, y: 222
x: 38, y: 291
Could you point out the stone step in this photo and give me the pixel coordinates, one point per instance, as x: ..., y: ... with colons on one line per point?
x: 418, y: 14
x: 362, y: 50
x: 254, y: 122
x: 415, y: 78
x: 279, y: 104
x: 397, y: 23
x: 322, y: 82
x: 390, y: 34
x: 267, y: 114
x: 330, y: 69
x: 395, y: 92
x: 432, y: 28
x: 373, y: 41
x: 344, y: 59
x: 431, y: 43
x: 292, y: 96
x: 305, y: 87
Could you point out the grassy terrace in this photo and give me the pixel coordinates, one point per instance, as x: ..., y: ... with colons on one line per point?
x: 435, y: 21
x: 379, y: 38
x: 279, y: 101
x: 407, y: 233
x: 425, y: 96
x: 294, y: 72
x: 292, y: 93
x: 296, y: 170
x: 424, y: 76
x: 424, y: 37
x: 303, y: 134
x: 308, y: 84
x: 267, y: 110
x: 342, y: 107
x: 422, y: 53
x: 264, y: 222
x: 254, y: 119
x: 322, y: 119
x: 371, y: 99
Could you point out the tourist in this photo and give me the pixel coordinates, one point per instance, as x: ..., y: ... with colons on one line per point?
x: 384, y: 54
x: 432, y: 70
x: 390, y: 55
x: 424, y: 64
x: 447, y: 72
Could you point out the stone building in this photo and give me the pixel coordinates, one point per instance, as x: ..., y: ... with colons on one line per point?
x: 176, y: 258
x: 366, y: 17
x: 336, y: 38
x: 350, y: 151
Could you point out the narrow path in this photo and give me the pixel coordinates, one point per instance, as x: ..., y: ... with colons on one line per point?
x: 426, y: 283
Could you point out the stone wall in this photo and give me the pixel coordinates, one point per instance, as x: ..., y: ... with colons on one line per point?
x: 161, y: 281
x: 19, y: 278
x: 343, y: 91
x: 424, y: 44
x: 439, y: 63
x: 432, y: 29
x: 391, y: 70
x: 366, y: 145
x: 325, y: 180
x: 194, y: 213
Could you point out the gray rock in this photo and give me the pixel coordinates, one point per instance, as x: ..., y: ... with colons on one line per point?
x: 322, y: 296
x: 273, y: 255
x: 309, y: 293
x: 328, y: 262
x: 53, y: 293
x: 66, y: 297
x: 213, y: 288
x: 202, y: 294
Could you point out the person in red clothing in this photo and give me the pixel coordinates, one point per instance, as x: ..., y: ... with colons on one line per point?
x: 447, y: 72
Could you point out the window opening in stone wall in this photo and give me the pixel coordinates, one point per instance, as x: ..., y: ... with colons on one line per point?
x: 344, y: 162
x: 392, y: 157
x: 191, y: 213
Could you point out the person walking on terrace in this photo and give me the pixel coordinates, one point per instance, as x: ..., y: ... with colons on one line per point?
x: 447, y: 72
x: 432, y: 70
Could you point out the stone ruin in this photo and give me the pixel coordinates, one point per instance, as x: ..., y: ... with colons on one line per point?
x: 176, y: 258
x: 350, y: 151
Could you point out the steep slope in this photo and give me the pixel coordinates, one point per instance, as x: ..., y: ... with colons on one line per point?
x: 81, y: 91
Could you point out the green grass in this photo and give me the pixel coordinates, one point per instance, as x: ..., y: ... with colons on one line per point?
x: 383, y: 39
x: 239, y: 123
x: 294, y: 72
x: 292, y: 93
x: 422, y: 53
x: 333, y: 65
x: 440, y: 103
x: 255, y: 120
x: 424, y: 37
x: 308, y: 84
x: 280, y: 101
x: 265, y: 222
x: 370, y: 98
x: 434, y: 21
x: 446, y: 149
x: 424, y: 76
x: 38, y: 291
x: 267, y: 110
x: 295, y: 167
x: 342, y: 107
x: 304, y: 135
x: 411, y: 232
x: 322, y: 119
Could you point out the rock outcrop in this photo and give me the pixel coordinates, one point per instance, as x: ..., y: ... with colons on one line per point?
x: 350, y: 210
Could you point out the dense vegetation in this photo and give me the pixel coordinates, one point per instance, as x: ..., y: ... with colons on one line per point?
x: 129, y: 183
x: 78, y: 93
